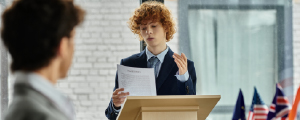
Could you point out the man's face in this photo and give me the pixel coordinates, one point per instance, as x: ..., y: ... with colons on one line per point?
x: 153, y: 33
x: 67, y: 55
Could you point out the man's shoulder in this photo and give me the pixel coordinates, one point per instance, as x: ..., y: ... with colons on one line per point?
x: 132, y: 58
x: 32, y: 105
x: 24, y: 107
x: 25, y: 93
x: 25, y: 101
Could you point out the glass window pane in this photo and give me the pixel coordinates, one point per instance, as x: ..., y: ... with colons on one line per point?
x: 234, y: 49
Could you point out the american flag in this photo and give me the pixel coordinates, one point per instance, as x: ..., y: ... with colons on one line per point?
x: 258, y: 110
x: 280, y: 106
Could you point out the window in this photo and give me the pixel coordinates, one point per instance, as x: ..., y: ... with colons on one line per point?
x: 237, y: 45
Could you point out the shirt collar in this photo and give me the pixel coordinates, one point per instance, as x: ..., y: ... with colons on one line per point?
x: 160, y: 56
x: 42, y: 85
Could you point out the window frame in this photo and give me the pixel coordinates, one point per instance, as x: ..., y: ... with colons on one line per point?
x: 4, y: 73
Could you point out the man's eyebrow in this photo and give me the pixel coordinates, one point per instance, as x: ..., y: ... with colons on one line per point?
x: 146, y: 23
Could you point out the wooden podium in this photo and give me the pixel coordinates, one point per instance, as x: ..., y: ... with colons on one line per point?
x: 183, y: 107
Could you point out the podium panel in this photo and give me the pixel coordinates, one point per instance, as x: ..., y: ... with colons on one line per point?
x: 179, y: 107
x: 192, y: 115
x: 171, y: 113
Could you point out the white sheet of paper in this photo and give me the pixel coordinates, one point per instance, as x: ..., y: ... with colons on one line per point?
x: 137, y: 81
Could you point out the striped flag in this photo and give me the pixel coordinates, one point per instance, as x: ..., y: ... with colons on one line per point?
x: 258, y: 110
x: 280, y: 106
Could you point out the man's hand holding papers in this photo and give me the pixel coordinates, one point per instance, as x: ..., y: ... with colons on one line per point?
x: 119, y: 96
x: 136, y: 81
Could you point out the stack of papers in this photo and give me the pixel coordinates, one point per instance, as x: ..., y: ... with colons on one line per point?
x: 137, y: 81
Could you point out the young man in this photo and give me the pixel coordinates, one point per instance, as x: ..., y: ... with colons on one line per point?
x: 39, y: 37
x: 175, y: 75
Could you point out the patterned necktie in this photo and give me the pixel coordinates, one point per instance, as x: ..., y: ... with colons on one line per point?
x: 154, y: 64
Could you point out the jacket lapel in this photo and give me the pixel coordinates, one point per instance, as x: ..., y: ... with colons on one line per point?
x: 141, y: 60
x: 165, y: 69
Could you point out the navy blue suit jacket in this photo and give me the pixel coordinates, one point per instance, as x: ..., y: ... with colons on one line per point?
x: 166, y: 82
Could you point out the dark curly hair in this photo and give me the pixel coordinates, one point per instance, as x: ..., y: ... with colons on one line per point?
x: 153, y: 10
x: 32, y: 30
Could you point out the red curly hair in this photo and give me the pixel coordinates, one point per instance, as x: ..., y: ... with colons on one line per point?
x: 155, y: 11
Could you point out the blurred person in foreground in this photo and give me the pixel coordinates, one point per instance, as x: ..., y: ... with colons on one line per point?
x: 39, y: 35
x: 174, y: 73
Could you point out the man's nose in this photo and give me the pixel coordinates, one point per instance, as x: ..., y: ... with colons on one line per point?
x: 149, y: 30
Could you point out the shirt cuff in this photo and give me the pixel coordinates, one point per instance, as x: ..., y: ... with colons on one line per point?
x: 115, y: 108
x: 184, y: 77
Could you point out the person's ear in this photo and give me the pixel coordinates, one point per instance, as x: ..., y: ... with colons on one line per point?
x: 63, y: 47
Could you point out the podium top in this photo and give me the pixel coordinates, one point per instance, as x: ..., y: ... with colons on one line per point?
x: 172, y: 97
x: 133, y: 104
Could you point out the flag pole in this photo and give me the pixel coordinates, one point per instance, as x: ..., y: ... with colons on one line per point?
x: 293, y: 111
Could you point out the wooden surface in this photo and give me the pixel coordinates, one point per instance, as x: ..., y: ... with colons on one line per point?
x: 133, y: 105
x: 192, y: 115
x: 171, y: 113
x: 171, y: 108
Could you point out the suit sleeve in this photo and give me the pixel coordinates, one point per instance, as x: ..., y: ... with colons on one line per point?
x: 110, y: 112
x: 189, y: 87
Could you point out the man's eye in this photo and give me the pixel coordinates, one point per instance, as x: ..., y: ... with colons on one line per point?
x: 153, y: 26
x: 144, y: 28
